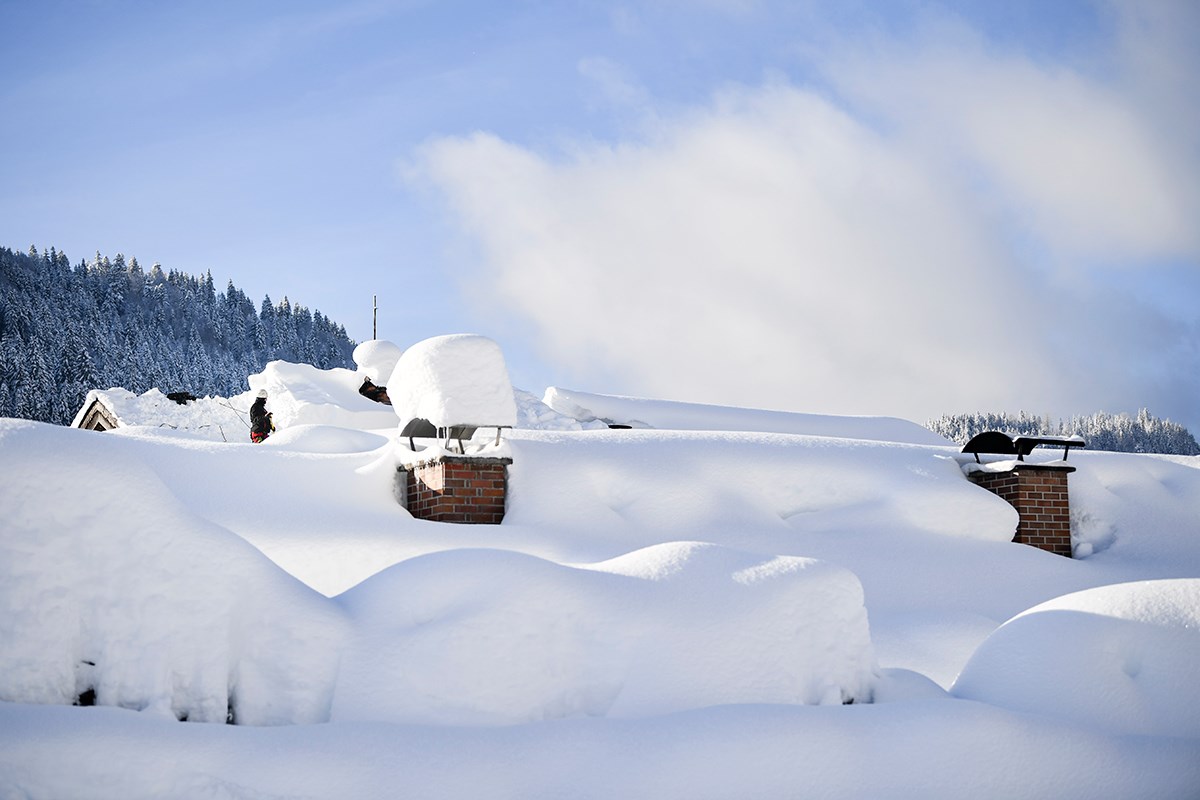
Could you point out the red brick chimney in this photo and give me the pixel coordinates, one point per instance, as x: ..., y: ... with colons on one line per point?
x: 1039, y: 494
x: 462, y: 489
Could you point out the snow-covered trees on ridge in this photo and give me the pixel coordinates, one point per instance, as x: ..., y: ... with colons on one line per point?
x: 1121, y: 433
x: 65, y: 330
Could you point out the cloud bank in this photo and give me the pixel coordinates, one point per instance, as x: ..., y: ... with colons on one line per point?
x: 943, y: 227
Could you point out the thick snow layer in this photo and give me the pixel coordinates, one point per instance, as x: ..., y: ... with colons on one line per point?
x: 460, y: 379
x: 214, y: 418
x: 533, y: 414
x: 919, y: 749
x: 325, y: 439
x: 1117, y: 499
x: 106, y: 536
x: 376, y: 358
x: 672, y: 415
x: 1118, y: 658
x: 701, y: 481
x: 301, y: 394
x: 496, y: 637
x: 107, y: 583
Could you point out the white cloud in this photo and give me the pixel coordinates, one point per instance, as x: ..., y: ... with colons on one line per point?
x: 1083, y: 163
x: 777, y: 250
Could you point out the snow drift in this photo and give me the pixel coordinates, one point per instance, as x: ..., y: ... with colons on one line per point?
x: 214, y: 418
x: 673, y: 415
x: 634, y: 628
x: 124, y: 592
x: 490, y: 637
x: 1120, y: 658
x: 301, y: 394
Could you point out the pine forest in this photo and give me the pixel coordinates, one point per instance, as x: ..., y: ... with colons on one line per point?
x: 67, y: 329
x: 1143, y: 433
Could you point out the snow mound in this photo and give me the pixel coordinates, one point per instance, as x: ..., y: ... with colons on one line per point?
x: 498, y: 637
x: 1117, y: 497
x: 673, y: 415
x: 377, y: 358
x: 325, y: 439
x: 127, y: 593
x: 459, y: 379
x: 1121, y: 658
x: 212, y: 418
x: 301, y: 394
x: 533, y: 414
x: 726, y: 484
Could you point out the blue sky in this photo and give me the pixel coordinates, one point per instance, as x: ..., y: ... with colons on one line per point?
x: 899, y: 208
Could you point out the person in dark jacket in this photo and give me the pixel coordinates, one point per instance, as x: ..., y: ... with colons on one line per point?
x: 261, y: 425
x: 373, y: 392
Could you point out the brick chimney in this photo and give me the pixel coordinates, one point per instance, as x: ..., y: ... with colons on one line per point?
x: 461, y: 489
x: 1039, y: 494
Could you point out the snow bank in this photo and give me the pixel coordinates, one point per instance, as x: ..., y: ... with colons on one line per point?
x: 301, y: 394
x: 108, y: 583
x: 595, y: 607
x: 325, y: 439
x: 725, y: 626
x: 495, y: 637
x: 932, y: 750
x: 376, y: 358
x: 533, y: 414
x: 728, y: 484
x: 1118, y: 658
x: 1142, y: 507
x: 214, y: 418
x: 460, y: 379
x: 298, y: 394
x: 672, y: 415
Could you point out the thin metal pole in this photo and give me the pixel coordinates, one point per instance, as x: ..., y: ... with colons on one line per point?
x: 374, y: 316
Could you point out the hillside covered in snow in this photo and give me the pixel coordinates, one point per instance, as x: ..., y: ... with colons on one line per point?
x: 709, y: 603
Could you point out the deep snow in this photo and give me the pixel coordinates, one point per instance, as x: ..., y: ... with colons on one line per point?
x: 663, y: 613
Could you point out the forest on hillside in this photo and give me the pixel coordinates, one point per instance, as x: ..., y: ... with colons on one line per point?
x: 67, y: 329
x: 1141, y: 433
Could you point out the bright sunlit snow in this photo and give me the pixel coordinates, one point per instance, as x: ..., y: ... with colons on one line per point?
x: 460, y: 379
x: 684, y: 610
x: 639, y: 413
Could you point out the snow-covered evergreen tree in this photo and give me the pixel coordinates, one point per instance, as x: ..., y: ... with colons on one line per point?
x: 65, y: 330
x: 1142, y: 433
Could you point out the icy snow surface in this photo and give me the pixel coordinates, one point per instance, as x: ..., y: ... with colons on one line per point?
x: 663, y: 613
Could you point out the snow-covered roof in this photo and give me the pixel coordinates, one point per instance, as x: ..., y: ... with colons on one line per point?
x: 671, y: 575
x: 672, y: 415
x: 301, y: 394
x: 215, y: 418
x: 297, y: 395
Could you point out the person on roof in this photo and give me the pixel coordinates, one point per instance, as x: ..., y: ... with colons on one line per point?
x: 372, y: 391
x: 261, y: 425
